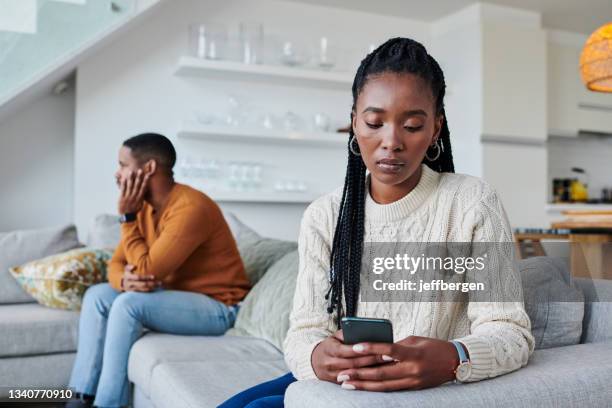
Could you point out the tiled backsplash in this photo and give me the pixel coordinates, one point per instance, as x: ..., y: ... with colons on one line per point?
x: 590, y: 152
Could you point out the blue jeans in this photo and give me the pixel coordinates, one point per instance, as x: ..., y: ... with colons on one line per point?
x: 270, y: 394
x: 112, y: 321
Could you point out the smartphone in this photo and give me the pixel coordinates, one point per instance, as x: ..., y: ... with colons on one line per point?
x: 361, y: 329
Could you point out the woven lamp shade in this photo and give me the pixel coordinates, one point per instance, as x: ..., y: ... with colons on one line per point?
x: 596, y: 60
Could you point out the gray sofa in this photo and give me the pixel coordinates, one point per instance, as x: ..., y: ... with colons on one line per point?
x: 168, y: 371
x: 37, y: 344
x: 177, y: 371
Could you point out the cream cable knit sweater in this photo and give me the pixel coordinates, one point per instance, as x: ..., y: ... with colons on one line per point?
x: 441, y: 208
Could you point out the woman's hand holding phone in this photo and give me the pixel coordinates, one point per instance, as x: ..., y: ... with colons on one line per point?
x: 332, y: 356
x: 412, y: 363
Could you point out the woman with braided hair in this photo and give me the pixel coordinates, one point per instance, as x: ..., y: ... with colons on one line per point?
x: 399, y: 134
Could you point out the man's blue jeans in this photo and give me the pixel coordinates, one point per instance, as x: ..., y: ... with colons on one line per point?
x: 112, y: 321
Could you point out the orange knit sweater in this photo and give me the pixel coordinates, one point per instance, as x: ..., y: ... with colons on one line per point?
x: 191, y: 248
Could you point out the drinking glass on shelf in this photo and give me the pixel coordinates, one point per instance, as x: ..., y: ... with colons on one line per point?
x: 211, y: 173
x: 292, y: 121
x: 208, y: 40
x: 257, y: 176
x: 252, y: 41
x: 245, y: 176
x: 205, y: 118
x: 293, y: 53
x: 325, y: 56
x: 200, y: 169
x: 186, y: 167
x: 268, y: 121
x: 238, y: 111
x: 322, y: 122
x: 279, y: 186
x: 290, y: 186
x: 234, y: 176
x: 215, y: 169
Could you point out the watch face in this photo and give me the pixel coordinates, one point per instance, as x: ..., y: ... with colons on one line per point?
x: 463, y: 371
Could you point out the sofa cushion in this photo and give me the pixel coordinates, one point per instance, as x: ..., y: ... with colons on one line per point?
x: 104, y: 232
x: 155, y: 349
x: 553, y: 302
x: 258, y: 253
x: 200, y: 385
x: 265, y: 311
x: 48, y: 371
x: 59, y: 281
x: 18, y: 247
x: 571, y: 376
x: 30, y: 328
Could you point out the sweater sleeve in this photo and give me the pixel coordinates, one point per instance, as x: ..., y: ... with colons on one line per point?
x: 309, y: 322
x: 183, y: 231
x: 500, y: 339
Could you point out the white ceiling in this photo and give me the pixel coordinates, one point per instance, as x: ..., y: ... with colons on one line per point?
x: 582, y: 16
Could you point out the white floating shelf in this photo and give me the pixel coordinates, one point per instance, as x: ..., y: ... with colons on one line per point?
x: 263, y: 197
x: 194, y: 130
x: 231, y: 70
x: 558, y: 207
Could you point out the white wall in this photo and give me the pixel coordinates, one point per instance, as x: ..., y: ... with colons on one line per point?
x: 456, y: 45
x: 129, y: 88
x: 477, y: 51
x: 36, y: 164
x: 514, y: 127
x: 518, y: 172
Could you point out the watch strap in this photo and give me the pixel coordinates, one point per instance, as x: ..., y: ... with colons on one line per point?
x: 461, y: 351
x: 129, y: 217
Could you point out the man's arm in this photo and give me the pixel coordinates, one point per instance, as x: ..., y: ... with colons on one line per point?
x: 183, y: 231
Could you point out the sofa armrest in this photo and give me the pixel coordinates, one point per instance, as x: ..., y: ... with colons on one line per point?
x: 569, y: 376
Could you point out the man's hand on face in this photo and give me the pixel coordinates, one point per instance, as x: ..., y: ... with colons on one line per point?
x: 133, y: 188
x: 131, y: 282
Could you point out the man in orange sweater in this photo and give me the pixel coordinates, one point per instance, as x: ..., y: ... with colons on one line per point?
x: 176, y: 270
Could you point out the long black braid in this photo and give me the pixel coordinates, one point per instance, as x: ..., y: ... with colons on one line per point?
x: 397, y: 55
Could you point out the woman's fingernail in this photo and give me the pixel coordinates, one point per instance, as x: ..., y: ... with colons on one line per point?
x: 387, y: 358
x: 348, y: 386
x: 343, y: 377
x: 358, y: 348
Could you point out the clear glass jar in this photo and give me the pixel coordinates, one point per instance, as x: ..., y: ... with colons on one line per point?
x: 252, y: 42
x: 208, y: 40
